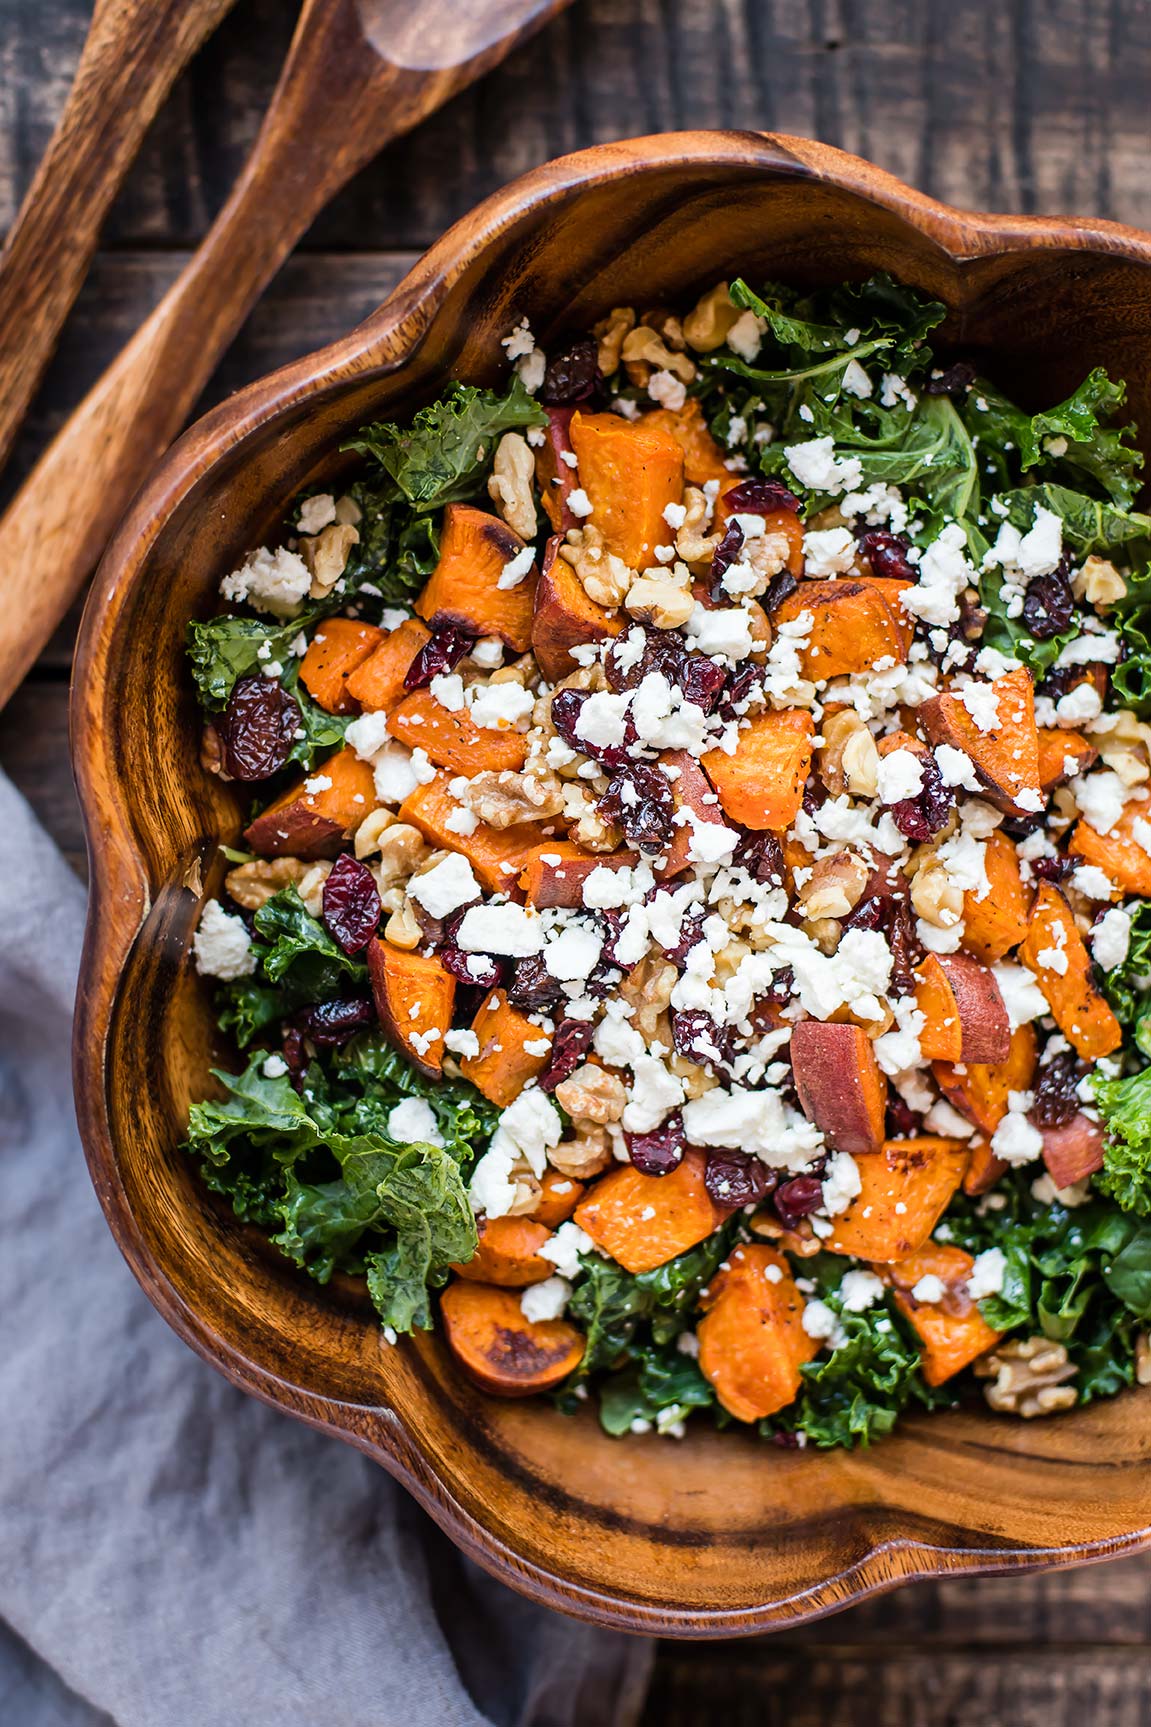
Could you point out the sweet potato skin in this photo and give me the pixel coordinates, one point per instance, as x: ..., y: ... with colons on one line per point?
x: 378, y: 683
x: 557, y: 870
x: 685, y: 1214
x: 402, y: 982
x: 761, y: 785
x: 1073, y: 1151
x: 337, y: 648
x: 451, y: 739
x: 1118, y: 854
x: 1080, y: 1011
x: 507, y: 1253
x: 497, y: 855
x: 964, y: 1012
x: 953, y: 1331
x: 315, y: 824
x: 919, y: 1174
x: 463, y: 589
x: 501, y: 1350
x: 979, y: 1090
x: 839, y: 1083
x: 984, y: 1169
x: 751, y: 1337
x: 691, y: 790
x: 565, y: 618
x: 995, y: 924
x: 631, y: 472
x: 554, y: 477
x: 852, y: 627
x: 1006, y: 759
x: 503, y: 1066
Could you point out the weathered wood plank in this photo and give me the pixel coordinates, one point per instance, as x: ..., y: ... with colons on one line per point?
x: 1032, y: 106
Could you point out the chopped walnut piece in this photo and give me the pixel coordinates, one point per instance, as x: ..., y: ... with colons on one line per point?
x: 692, y: 541
x: 1028, y: 1377
x: 934, y: 896
x: 1098, y: 582
x: 403, y: 929
x: 835, y: 885
x: 824, y: 932
x: 403, y: 849
x: 659, y: 597
x: 370, y: 830
x: 647, y: 990
x: 212, y: 752
x: 604, y: 577
x: 592, y: 1094
x: 253, y: 884
x: 593, y: 833
x: 503, y: 799
x: 696, y: 1079
x: 707, y: 325
x: 849, y: 759
x: 609, y: 334
x: 527, y: 1189
x: 510, y: 484
x: 586, y: 1155
x: 645, y: 351
x: 326, y: 556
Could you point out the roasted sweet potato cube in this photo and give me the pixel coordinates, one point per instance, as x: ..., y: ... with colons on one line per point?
x: 1118, y: 854
x: 414, y: 998
x: 451, y: 739
x: 979, y: 1090
x: 315, y: 823
x: 378, y: 684
x: 559, y: 1196
x: 497, y: 855
x: 630, y: 472
x: 963, y: 1009
x: 852, y: 629
x: 906, y: 1189
x: 508, y: 1253
x: 703, y: 459
x: 565, y: 618
x: 953, y: 1331
x: 500, y: 1349
x: 464, y: 588
x: 839, y: 1084
x: 761, y: 785
x: 984, y: 1170
x: 692, y: 793
x: 1054, y: 953
x: 642, y: 1221
x: 995, y: 924
x: 1006, y: 756
x: 1074, y: 1150
x: 1062, y: 755
x: 751, y: 1337
x: 505, y: 1063
x: 558, y: 869
x: 337, y: 648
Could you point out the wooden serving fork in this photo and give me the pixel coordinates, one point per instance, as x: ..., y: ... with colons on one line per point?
x: 358, y: 74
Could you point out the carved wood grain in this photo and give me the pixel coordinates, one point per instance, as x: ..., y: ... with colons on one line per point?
x: 719, y: 1535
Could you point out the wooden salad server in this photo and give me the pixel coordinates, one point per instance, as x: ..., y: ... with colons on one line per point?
x: 135, y: 51
x: 358, y: 74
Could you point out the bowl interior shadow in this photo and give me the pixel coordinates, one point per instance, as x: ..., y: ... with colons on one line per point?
x: 719, y: 1532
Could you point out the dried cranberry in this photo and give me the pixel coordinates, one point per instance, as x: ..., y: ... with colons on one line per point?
x: 1053, y: 869
x: 479, y: 969
x: 921, y: 817
x: 761, y: 855
x: 257, y: 728
x: 733, y: 1178
x: 1022, y: 827
x: 1056, y: 1099
x: 954, y: 380
x: 1061, y: 680
x: 352, y: 908
x: 697, y: 1036
x: 745, y: 685
x: 532, y: 988
x: 1049, y: 604
x: 702, y: 682
x: 902, y: 1121
x: 295, y: 1054
x: 759, y: 498
x: 567, y: 705
x: 905, y: 948
x: 662, y: 651
x: 639, y: 800
x: 659, y: 1152
x: 690, y: 932
x: 797, y: 1198
x: 572, y: 375
x: 779, y: 992
x: 787, y: 1441
x: 569, y: 1046
x: 814, y: 796
x: 603, y: 980
x: 726, y: 554
x: 331, y: 1023
x: 781, y: 587
x: 887, y: 554
x: 442, y: 653
x: 868, y: 913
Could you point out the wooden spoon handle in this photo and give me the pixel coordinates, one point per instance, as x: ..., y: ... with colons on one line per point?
x: 135, y: 51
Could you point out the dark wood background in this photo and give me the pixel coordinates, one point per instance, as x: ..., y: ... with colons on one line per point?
x: 1029, y: 105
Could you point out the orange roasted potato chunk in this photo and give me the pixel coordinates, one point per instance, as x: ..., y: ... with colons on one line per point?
x: 378, y: 683
x: 979, y: 1090
x: 497, y: 855
x: 761, y: 784
x: 451, y: 739
x: 316, y: 823
x: 337, y: 648
x: 504, y: 1064
x: 508, y: 1253
x: 1006, y: 757
x: 500, y: 1349
x: 1118, y: 854
x: 906, y: 1189
x: 414, y: 996
x: 642, y: 1221
x: 751, y: 1338
x: 1055, y: 955
x: 463, y: 589
x: 952, y: 1331
x: 852, y: 627
x: 630, y: 472
x: 995, y: 924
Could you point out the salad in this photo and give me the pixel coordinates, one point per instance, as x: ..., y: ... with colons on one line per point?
x: 691, y: 936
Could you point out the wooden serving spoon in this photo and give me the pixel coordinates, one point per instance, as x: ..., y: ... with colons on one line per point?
x: 135, y: 51
x: 358, y: 73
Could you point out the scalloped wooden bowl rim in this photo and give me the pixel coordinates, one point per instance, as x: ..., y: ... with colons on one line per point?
x: 120, y: 895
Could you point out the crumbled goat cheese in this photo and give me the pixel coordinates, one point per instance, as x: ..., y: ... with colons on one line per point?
x: 745, y: 337
x: 900, y: 776
x: 944, y: 572
x: 397, y: 772
x: 821, y: 1323
x: 1016, y: 1140
x: 1091, y: 881
x: 545, y: 1300
x: 446, y: 887
x: 317, y: 513
x: 517, y: 569
x: 1022, y: 997
x: 565, y: 1247
x: 368, y: 735
x: 274, y: 582
x: 982, y: 704
x: 855, y: 380
x: 574, y: 953
x: 725, y: 630
x: 987, y: 1274
x: 859, y: 1290
x: 655, y: 1091
x: 413, y: 1122
x: 500, y: 707
x: 841, y: 1183
x: 828, y: 551
x: 1111, y: 938
x: 222, y: 946
x: 505, y: 929
x: 579, y: 503
x: 668, y: 390
x: 816, y: 466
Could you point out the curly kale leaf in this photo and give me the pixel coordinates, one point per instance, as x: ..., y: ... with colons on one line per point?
x: 1125, y: 1106
x: 1127, y: 984
x: 1074, y: 441
x: 443, y: 456
x: 298, y: 953
x: 660, y: 1387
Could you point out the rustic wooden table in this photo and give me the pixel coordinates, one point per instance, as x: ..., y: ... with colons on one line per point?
x: 1032, y: 105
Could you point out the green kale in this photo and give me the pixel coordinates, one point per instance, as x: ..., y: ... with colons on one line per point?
x: 320, y: 731
x: 661, y: 1386
x: 1127, y: 984
x: 858, y: 1391
x: 443, y: 456
x: 300, y: 955
x: 1074, y: 440
x: 246, y: 1008
x: 1125, y: 1106
x: 225, y: 649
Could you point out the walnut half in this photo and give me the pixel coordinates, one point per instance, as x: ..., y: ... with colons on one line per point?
x: 1028, y: 1377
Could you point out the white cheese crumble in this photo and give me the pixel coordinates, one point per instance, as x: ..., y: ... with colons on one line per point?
x: 413, y: 1122
x: 222, y: 946
x: 446, y: 887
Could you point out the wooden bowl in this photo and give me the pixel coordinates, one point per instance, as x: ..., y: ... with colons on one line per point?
x: 719, y: 1534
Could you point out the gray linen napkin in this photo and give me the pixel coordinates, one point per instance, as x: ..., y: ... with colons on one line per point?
x: 172, y: 1553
